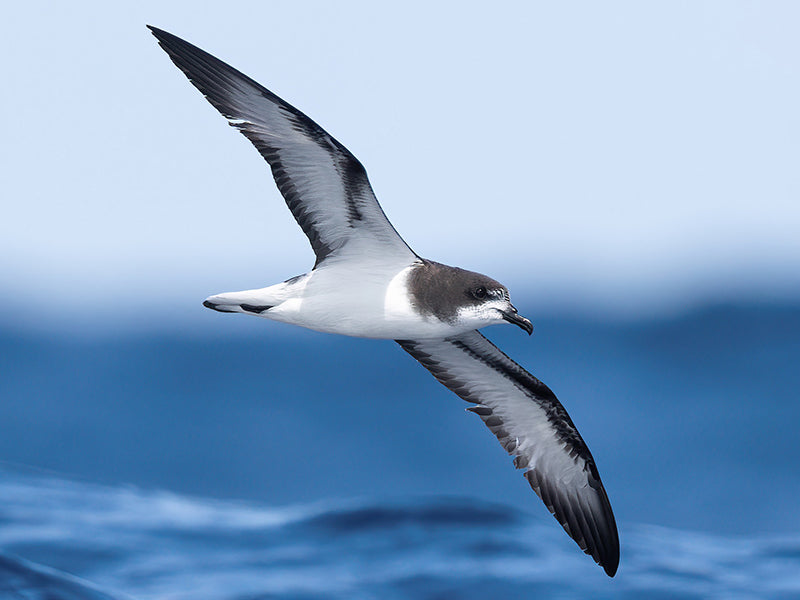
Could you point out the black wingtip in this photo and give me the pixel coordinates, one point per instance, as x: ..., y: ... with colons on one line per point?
x: 611, y: 569
x: 156, y: 31
x: 159, y: 33
x: 611, y: 563
x: 609, y: 556
x: 165, y: 38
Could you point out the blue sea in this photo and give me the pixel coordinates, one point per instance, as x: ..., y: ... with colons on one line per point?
x: 234, y: 458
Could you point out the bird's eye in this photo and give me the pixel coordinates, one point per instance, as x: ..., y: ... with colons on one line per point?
x: 479, y: 293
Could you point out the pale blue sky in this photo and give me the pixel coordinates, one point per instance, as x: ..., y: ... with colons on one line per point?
x: 614, y: 154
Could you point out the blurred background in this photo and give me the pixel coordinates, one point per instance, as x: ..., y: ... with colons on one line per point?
x: 628, y: 170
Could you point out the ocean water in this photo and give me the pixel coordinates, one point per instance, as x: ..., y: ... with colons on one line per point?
x: 91, y: 541
x: 240, y: 460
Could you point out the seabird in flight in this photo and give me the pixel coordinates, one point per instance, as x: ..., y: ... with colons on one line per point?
x: 367, y: 282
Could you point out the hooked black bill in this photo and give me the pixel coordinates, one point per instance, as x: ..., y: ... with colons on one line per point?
x: 512, y: 316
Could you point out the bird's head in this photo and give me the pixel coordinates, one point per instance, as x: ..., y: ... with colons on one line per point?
x: 489, y: 302
x: 463, y: 297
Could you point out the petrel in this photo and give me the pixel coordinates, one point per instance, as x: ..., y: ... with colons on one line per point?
x: 367, y: 282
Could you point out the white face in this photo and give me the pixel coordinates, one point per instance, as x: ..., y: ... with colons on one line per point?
x: 490, y: 306
x: 489, y: 312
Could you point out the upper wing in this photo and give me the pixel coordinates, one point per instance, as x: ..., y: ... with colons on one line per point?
x: 532, y: 425
x: 324, y: 185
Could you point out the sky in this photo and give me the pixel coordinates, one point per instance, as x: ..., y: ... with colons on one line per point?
x: 626, y: 156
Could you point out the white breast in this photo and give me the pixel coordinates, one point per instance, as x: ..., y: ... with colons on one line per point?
x: 369, y: 301
x: 396, y: 303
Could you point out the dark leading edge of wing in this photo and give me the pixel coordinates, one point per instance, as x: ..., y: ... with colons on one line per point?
x: 324, y: 185
x: 532, y: 425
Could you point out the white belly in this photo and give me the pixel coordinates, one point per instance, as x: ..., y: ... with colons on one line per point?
x: 371, y: 303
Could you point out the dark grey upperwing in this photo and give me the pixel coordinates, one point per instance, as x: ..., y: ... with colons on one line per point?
x: 533, y: 426
x: 324, y: 185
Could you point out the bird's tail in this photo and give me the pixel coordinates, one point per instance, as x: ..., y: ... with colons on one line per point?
x: 255, y: 302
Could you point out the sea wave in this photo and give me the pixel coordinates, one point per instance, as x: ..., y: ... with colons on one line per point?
x: 57, y: 535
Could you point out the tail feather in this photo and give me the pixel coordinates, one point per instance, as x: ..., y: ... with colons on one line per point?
x: 250, y: 308
x: 255, y: 302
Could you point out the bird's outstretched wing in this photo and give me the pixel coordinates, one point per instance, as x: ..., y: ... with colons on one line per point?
x: 532, y: 425
x: 324, y: 185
